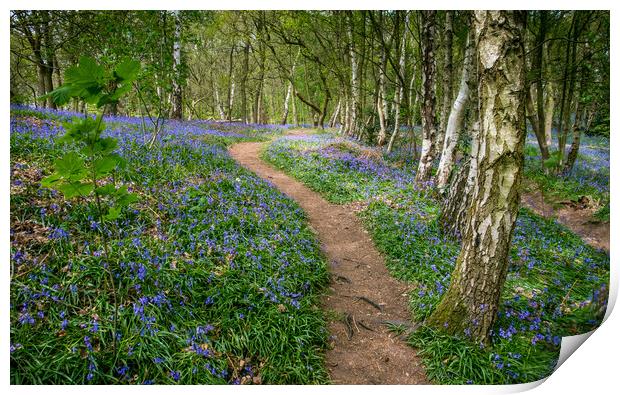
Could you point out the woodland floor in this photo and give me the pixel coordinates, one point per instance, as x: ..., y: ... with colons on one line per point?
x: 363, y: 297
x: 577, y: 217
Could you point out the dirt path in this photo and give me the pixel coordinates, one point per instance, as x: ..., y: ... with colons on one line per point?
x: 363, y: 295
x: 577, y: 219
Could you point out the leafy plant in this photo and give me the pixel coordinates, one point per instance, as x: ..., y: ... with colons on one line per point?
x: 90, y: 169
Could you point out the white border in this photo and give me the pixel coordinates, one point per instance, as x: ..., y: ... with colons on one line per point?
x: 592, y: 368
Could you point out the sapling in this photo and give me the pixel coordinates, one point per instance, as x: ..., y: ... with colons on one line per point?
x: 88, y: 171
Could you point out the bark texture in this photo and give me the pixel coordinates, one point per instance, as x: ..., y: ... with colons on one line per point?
x: 177, y: 93
x: 400, y: 93
x: 429, y: 128
x: 355, y: 85
x: 455, y: 120
x: 447, y: 78
x: 382, y: 104
x: 469, y: 307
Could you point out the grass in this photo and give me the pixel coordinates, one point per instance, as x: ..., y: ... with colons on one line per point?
x: 556, y: 284
x: 219, y: 276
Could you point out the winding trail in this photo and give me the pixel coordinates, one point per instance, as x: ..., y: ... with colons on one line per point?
x: 362, y: 295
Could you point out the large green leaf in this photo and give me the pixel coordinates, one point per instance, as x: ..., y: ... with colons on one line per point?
x: 72, y: 189
x: 83, y: 129
x: 51, y: 181
x: 62, y: 95
x: 104, y: 165
x: 105, y: 145
x: 71, y: 167
x: 86, y: 74
x: 127, y: 71
x: 108, y: 189
x: 113, y: 213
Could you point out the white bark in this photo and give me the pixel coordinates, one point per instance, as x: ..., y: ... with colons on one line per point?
x: 334, y: 117
x: 355, y: 94
x: 429, y: 128
x: 177, y: 104
x: 455, y: 120
x: 218, y: 104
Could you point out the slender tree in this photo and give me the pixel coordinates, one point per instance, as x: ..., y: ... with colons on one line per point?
x: 429, y: 127
x: 455, y: 120
x: 447, y: 78
x: 177, y: 92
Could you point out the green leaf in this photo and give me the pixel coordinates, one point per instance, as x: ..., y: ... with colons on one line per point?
x: 50, y: 181
x: 72, y: 189
x: 127, y: 71
x: 108, y: 189
x: 62, y: 95
x: 86, y: 76
x: 86, y: 130
x: 70, y: 167
x: 127, y: 199
x: 105, y: 145
x: 113, y: 213
x: 104, y: 165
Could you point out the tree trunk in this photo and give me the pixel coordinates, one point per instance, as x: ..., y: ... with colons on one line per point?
x: 567, y: 86
x: 447, y: 78
x: 218, y: 103
x: 469, y: 307
x: 231, y: 85
x: 401, y: 88
x: 574, y: 147
x: 289, y: 91
x: 48, y: 53
x: 549, y: 107
x: 355, y: 88
x: 334, y: 119
x: 49, y: 85
x: 538, y: 65
x: 579, y: 110
x: 295, y: 118
x: 243, y: 83
x: 429, y: 129
x: 457, y: 115
x: 177, y: 93
x: 382, y: 104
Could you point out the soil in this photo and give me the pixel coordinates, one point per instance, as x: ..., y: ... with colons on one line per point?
x: 363, y: 297
x: 577, y: 217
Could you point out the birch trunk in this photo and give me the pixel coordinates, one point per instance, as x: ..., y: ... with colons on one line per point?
x: 549, y: 107
x: 334, y: 118
x: 401, y: 88
x: 469, y: 307
x: 429, y: 129
x: 455, y: 121
x: 231, y: 84
x: 447, y: 79
x: 289, y: 91
x: 355, y: 93
x: 243, y: 83
x: 177, y: 93
x: 218, y: 103
x: 382, y: 104
x: 574, y: 147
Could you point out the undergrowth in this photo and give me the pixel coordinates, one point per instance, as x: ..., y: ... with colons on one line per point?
x: 219, y: 274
